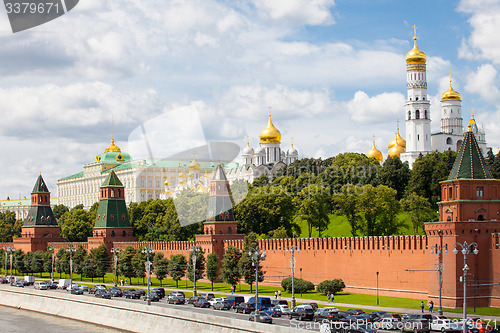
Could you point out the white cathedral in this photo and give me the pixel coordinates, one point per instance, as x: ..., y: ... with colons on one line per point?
x: 419, y: 139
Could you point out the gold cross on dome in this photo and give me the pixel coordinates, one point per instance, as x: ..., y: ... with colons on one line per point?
x: 414, y: 30
x: 269, y: 110
x: 397, y: 121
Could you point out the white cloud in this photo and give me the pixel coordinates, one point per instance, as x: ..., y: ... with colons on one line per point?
x: 377, y: 109
x: 483, y: 82
x: 309, y: 12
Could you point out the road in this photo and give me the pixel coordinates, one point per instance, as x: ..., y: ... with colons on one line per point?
x: 14, y: 320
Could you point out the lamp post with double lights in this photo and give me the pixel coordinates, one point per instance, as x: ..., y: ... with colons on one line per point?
x: 8, y: 249
x: 195, y: 250
x: 147, y: 250
x: 52, y: 249
x: 115, y: 252
x: 466, y: 249
x: 256, y: 256
x: 4, y: 248
x: 377, y: 286
x: 71, y: 250
x: 438, y: 250
x: 292, y: 250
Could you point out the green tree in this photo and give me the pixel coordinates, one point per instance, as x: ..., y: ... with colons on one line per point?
x: 90, y: 267
x: 102, y: 260
x: 230, y: 272
x: 62, y: 261
x: 313, y: 206
x: 37, y: 260
x: 160, y: 264
x: 200, y: 264
x: 177, y: 267
x: 7, y: 226
x: 426, y: 174
x: 138, y: 261
x: 59, y: 210
x: 330, y: 286
x: 125, y: 266
x: 246, y: 264
x: 76, y: 225
x: 346, y: 203
x: 93, y: 211
x: 278, y: 233
x: 419, y: 209
x: 394, y: 174
x: 300, y: 286
x: 18, y: 262
x: 47, y: 262
x: 28, y: 262
x: 212, y: 268
x: 78, y: 260
x: 379, y: 207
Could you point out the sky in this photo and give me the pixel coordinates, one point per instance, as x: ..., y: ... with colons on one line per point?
x: 333, y: 73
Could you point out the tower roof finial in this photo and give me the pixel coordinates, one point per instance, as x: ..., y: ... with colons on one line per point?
x: 414, y: 32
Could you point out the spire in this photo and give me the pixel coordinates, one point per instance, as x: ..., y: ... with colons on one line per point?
x: 470, y: 163
x: 219, y: 173
x: 112, y: 180
x: 40, y: 186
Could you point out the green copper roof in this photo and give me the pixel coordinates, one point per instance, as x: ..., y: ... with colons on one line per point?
x: 40, y: 186
x: 40, y: 216
x: 112, y: 213
x: 76, y: 175
x: 470, y: 163
x: 112, y: 180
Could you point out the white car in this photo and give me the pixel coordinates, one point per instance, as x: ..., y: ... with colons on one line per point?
x: 215, y: 300
x: 40, y: 285
x: 441, y: 324
x: 387, y: 324
x: 284, y: 308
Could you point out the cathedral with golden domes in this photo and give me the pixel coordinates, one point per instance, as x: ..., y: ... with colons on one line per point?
x: 419, y: 139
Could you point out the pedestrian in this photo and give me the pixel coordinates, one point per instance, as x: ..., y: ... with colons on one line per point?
x: 276, y: 294
x: 431, y: 307
x: 329, y: 296
x: 332, y: 297
x: 422, y: 306
x: 232, y: 290
x: 126, y: 281
x: 279, y: 293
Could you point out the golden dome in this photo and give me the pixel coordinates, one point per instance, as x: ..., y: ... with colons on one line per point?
x: 450, y: 94
x: 182, y: 181
x: 194, y: 165
x: 167, y: 182
x: 112, y: 148
x: 182, y: 175
x: 270, y: 133
x: 190, y: 175
x: 398, y: 140
x: 415, y: 56
x: 374, y: 152
x: 396, y: 150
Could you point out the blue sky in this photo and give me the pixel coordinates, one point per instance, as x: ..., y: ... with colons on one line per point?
x: 332, y: 71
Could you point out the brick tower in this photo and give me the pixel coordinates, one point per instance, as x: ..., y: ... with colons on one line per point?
x: 220, y: 224
x: 468, y: 212
x: 40, y: 226
x: 112, y: 223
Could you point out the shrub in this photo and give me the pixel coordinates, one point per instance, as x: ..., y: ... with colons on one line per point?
x: 330, y: 286
x: 301, y: 286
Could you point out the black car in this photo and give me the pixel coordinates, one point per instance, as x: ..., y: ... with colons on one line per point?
x: 176, y: 300
x: 370, y: 317
x: 152, y: 296
x: 115, y: 292
x: 102, y: 293
x: 160, y: 292
x: 207, y: 296
x: 326, y: 314
x: 51, y: 285
x: 131, y: 294
x: 356, y: 311
x: 201, y: 303
x: 192, y: 299
x: 94, y: 289
x: 314, y: 306
x: 141, y: 292
x: 3, y: 280
x: 301, y: 313
x: 263, y: 317
x: 245, y: 307
x: 235, y: 300
x: 345, y: 314
x: 224, y: 305
x: 18, y: 284
x: 417, y: 323
x: 76, y: 291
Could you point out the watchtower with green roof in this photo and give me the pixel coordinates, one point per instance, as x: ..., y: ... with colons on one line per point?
x: 112, y: 223
x: 40, y: 226
x: 469, y: 211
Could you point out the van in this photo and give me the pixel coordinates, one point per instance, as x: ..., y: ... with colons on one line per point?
x: 40, y: 285
x: 235, y: 300
x: 264, y: 302
x: 30, y: 279
x: 63, y: 283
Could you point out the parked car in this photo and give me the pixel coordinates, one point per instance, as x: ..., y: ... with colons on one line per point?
x: 76, y: 291
x: 440, y: 324
x: 94, y: 289
x: 201, y: 303
x: 245, y: 307
x: 482, y: 326
x: 370, y: 317
x: 380, y: 314
x: 192, y: 299
x: 263, y: 317
x: 314, y: 306
x: 235, y: 300
x: 153, y: 296
x: 302, y: 312
x: 273, y: 311
x: 40, y: 285
x: 84, y: 287
x: 284, y: 309
x: 115, y: 292
x: 176, y: 300
x: 141, y: 292
x: 215, y: 300
x: 279, y: 302
x: 18, y: 283
x: 387, y: 324
x: 160, y: 292
x: 222, y: 305
x: 392, y: 315
x: 102, y: 293
x: 176, y: 294
x: 326, y: 314
x: 3, y: 280
x: 345, y: 314
x: 131, y: 294
x: 356, y: 311
x: 416, y: 323
x: 207, y: 296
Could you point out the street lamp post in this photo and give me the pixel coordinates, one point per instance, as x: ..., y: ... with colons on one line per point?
x: 466, y: 249
x: 115, y: 252
x: 148, y: 250
x: 377, y: 286
x: 293, y: 249
x: 194, y: 249
x: 4, y: 248
x: 71, y: 250
x: 438, y: 249
x: 8, y: 249
x: 52, y: 249
x: 256, y: 256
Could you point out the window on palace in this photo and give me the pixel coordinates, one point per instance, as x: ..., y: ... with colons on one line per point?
x: 480, y: 192
x: 450, y: 193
